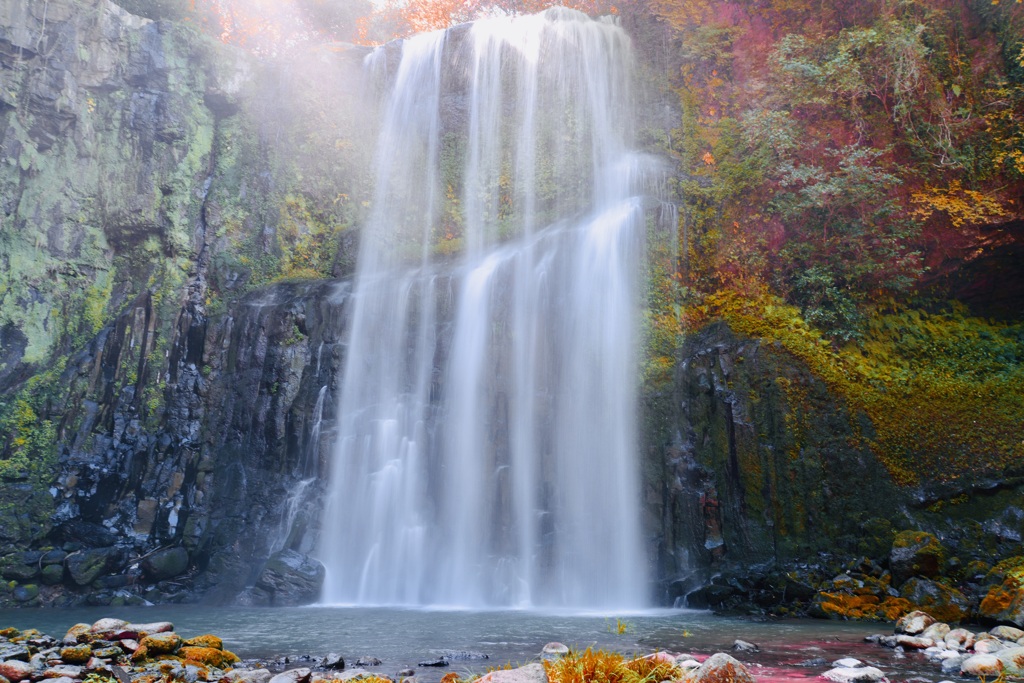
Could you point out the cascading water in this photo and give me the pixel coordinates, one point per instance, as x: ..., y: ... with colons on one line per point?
x: 487, y: 448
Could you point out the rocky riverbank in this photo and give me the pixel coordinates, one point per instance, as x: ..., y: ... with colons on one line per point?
x: 116, y: 651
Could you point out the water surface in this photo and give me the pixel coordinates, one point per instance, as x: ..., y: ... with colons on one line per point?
x: 405, y: 637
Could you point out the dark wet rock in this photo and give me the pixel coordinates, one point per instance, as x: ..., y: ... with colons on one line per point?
x: 945, y: 603
x: 85, y: 566
x: 744, y: 646
x: 165, y: 564
x: 291, y: 578
x: 25, y: 593
x: 336, y: 661
x: 440, y: 661
x: 367, y: 661
x: 463, y: 655
x: 915, y: 553
x: 13, y: 651
x: 406, y: 673
x: 815, y: 662
x: 52, y: 574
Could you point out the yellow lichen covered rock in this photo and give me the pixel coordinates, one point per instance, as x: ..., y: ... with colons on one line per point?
x: 161, y: 643
x: 208, y: 640
x: 208, y: 656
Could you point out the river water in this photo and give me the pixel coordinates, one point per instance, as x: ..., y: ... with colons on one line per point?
x: 404, y: 637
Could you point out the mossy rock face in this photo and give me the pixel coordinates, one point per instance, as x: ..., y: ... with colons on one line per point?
x: 945, y: 603
x: 1005, y: 602
x: 915, y: 553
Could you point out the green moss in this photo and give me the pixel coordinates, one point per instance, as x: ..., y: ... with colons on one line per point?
x: 944, y: 393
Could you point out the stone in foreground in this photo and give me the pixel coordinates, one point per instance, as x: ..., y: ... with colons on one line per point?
x: 857, y: 674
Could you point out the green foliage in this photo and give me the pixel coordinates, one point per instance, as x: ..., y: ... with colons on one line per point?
x: 28, y: 456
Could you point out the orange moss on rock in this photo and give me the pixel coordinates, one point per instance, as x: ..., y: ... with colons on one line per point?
x: 208, y: 656
x: 207, y: 640
x: 868, y: 607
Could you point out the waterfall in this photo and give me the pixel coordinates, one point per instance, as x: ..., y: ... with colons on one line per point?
x: 487, y: 450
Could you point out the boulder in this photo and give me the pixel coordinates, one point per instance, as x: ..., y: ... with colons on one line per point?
x: 720, y: 668
x: 988, y: 646
x: 25, y: 593
x: 1007, y: 633
x: 915, y: 553
x: 52, y: 574
x: 981, y: 665
x: 334, y: 661
x: 207, y: 640
x: 936, y: 599
x: 13, y: 651
x: 291, y: 578
x: 247, y: 676
x: 16, y: 670
x: 85, y: 566
x: 160, y: 644
x: 744, y: 646
x: 936, y: 632
x: 960, y: 639
x: 915, y: 642
x: 531, y: 673
x: 914, y: 623
x: 208, y: 656
x: 1012, y: 659
x: 76, y: 654
x: 165, y: 564
x: 860, y: 674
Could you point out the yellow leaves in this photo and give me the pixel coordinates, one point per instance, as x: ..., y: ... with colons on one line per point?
x: 708, y: 159
x: 962, y: 206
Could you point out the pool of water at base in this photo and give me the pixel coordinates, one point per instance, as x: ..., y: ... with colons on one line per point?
x: 402, y: 638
